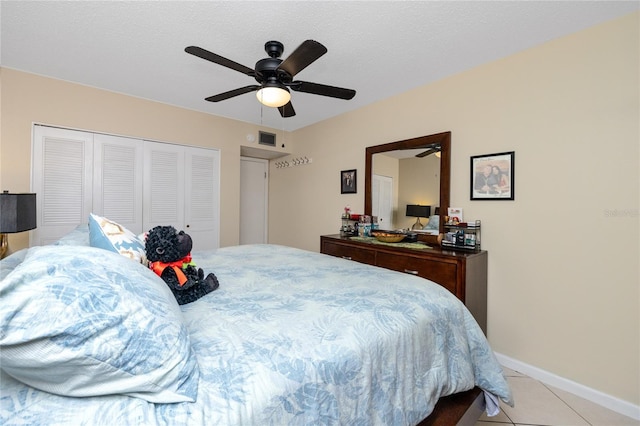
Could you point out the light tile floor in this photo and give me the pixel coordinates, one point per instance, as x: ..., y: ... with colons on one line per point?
x: 540, y: 404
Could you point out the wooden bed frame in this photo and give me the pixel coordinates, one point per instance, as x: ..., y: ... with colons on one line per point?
x: 464, y: 408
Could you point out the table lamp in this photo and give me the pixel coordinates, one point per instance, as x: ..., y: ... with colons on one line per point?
x: 415, y: 210
x: 17, y: 214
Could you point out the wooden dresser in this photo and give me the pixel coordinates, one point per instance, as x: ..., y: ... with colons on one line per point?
x: 462, y: 273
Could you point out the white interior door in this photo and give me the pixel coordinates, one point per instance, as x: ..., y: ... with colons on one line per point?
x: 382, y: 200
x: 254, y: 200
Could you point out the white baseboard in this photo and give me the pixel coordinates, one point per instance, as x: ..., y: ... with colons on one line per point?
x: 612, y: 403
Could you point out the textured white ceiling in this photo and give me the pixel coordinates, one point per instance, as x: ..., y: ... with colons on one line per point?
x: 377, y: 48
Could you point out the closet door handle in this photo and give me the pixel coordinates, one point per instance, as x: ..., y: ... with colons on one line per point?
x: 409, y: 271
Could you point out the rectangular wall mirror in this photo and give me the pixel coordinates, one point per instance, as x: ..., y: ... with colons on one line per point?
x: 411, y: 171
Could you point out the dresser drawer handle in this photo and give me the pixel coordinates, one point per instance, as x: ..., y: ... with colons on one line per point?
x: 346, y: 257
x: 409, y: 271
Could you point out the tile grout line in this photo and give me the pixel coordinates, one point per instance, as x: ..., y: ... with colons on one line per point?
x: 524, y: 376
x: 566, y: 403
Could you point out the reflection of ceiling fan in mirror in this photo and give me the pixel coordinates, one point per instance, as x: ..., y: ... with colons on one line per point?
x: 275, y: 76
x: 431, y: 149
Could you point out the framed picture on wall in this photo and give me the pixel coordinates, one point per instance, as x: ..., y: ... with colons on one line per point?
x: 348, y: 183
x: 492, y: 176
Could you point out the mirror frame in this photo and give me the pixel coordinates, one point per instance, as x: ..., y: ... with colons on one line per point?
x: 444, y: 139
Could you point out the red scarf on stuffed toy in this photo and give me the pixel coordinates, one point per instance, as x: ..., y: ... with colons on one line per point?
x: 177, y: 266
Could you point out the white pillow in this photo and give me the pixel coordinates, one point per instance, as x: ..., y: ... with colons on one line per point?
x: 80, y: 321
x: 434, y: 222
x: 109, y: 235
x: 78, y: 237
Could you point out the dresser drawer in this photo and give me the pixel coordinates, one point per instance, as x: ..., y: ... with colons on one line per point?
x: 358, y: 254
x: 443, y: 273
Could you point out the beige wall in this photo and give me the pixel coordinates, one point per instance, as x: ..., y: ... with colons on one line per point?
x: 419, y: 184
x: 28, y: 99
x: 563, y: 257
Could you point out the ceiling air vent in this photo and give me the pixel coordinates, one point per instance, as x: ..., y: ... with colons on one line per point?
x: 267, y: 139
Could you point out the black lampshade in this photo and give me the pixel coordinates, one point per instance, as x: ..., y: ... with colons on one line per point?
x: 415, y: 210
x: 17, y: 212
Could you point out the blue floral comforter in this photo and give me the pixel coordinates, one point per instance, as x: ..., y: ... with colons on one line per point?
x: 293, y: 337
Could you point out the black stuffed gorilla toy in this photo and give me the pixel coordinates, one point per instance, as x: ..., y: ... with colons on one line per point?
x: 169, y: 255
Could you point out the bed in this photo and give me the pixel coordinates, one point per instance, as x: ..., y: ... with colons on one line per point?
x: 291, y: 337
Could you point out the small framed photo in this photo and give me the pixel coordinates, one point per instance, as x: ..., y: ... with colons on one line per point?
x: 348, y: 183
x: 492, y: 176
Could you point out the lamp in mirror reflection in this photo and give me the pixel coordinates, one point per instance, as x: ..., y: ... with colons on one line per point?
x: 418, y: 211
x: 17, y: 214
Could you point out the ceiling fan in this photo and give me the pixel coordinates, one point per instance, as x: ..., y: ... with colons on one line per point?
x: 433, y: 148
x: 275, y: 76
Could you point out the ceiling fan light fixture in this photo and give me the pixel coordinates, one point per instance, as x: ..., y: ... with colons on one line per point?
x: 273, y: 95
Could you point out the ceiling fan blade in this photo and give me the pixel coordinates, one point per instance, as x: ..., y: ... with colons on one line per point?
x: 287, y: 110
x: 430, y: 149
x: 302, y: 57
x: 231, y: 93
x: 323, y: 89
x: 427, y: 152
x: 217, y: 59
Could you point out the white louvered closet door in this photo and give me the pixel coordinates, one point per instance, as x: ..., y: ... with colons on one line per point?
x: 181, y: 189
x: 163, y: 185
x: 117, y: 180
x: 139, y: 184
x: 62, y: 180
x: 201, y: 190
